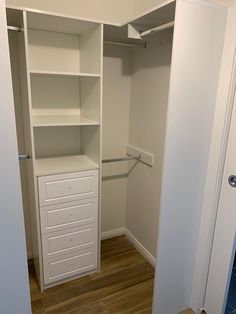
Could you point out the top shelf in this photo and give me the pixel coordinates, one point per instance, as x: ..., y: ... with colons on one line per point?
x: 55, y: 23
x: 64, y: 74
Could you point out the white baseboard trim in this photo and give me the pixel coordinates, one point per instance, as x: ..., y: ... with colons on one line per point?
x: 112, y: 233
x: 140, y: 248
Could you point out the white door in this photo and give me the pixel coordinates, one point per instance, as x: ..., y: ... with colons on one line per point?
x: 14, y: 286
x: 224, y: 239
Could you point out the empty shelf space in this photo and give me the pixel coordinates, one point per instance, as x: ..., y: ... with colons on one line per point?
x: 65, y: 164
x: 64, y: 74
x: 61, y: 120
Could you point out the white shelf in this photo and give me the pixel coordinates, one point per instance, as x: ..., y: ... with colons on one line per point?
x: 61, y: 120
x: 58, y: 165
x: 65, y: 74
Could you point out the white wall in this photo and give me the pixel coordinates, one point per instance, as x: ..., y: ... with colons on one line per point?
x: 112, y: 11
x: 141, y: 6
x: 20, y: 135
x: 14, y: 286
x: 150, y: 86
x: 116, y: 106
x: 197, y: 52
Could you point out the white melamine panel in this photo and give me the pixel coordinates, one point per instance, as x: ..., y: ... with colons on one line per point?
x: 68, y: 187
x: 51, y: 51
x: 90, y: 89
x: 196, y: 60
x: 62, y: 120
x: 70, y: 265
x: 90, y: 141
x: 69, y: 241
x: 66, y: 164
x: 57, y: 24
x: 57, y: 141
x: 63, y: 73
x: 64, y: 216
x: 90, y: 50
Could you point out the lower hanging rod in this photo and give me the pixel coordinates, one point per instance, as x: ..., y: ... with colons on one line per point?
x: 106, y: 161
x: 15, y: 28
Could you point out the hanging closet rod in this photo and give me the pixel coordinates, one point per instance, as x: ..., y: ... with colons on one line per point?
x: 106, y: 161
x: 23, y: 157
x: 15, y: 28
x: 122, y: 44
x: 157, y: 29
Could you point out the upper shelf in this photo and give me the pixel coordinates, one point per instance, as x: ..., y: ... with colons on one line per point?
x: 65, y: 74
x: 61, y: 120
x: 54, y: 23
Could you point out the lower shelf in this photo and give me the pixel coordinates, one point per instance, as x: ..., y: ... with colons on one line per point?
x: 66, y: 164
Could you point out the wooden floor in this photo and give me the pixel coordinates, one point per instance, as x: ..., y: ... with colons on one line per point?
x: 125, y: 285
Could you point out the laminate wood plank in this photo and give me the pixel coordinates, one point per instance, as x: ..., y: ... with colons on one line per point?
x: 37, y: 306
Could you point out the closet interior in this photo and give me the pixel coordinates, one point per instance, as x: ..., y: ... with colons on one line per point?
x: 91, y: 110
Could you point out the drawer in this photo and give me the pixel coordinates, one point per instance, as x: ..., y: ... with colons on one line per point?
x: 69, y: 215
x: 62, y: 188
x: 62, y: 242
x: 67, y: 266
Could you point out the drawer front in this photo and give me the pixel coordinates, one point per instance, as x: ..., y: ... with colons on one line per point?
x: 67, y: 187
x: 70, y: 265
x: 64, y: 216
x: 59, y: 243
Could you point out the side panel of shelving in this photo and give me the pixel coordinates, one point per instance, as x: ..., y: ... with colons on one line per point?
x: 29, y: 145
x: 90, y: 89
x: 90, y: 49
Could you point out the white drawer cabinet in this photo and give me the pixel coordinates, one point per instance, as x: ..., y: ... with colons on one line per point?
x: 70, y: 265
x: 68, y: 215
x: 61, y: 242
x: 69, y: 224
x: 62, y: 188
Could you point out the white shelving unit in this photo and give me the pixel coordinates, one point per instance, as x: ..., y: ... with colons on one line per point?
x: 61, y: 90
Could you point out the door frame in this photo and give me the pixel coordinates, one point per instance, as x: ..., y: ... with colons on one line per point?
x: 220, y: 135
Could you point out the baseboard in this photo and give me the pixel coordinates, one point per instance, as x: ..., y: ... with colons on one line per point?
x: 112, y: 233
x: 140, y: 248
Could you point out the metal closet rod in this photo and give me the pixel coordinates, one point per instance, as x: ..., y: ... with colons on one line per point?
x: 15, y: 28
x: 106, y: 161
x: 157, y: 29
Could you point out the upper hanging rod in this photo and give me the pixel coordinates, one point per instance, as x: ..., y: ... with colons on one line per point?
x: 106, y: 161
x: 157, y: 29
x: 15, y: 28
